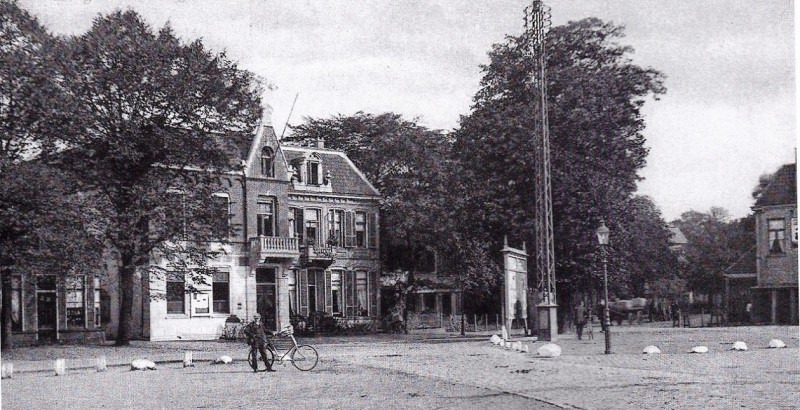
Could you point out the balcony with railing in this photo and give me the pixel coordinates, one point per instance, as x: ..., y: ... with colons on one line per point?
x: 276, y: 247
x: 312, y: 255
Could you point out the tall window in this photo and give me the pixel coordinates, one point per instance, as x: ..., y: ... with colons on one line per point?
x: 222, y: 211
x: 335, y: 234
x: 312, y: 291
x: 313, y: 173
x: 266, y: 216
x: 221, y: 291
x: 16, y: 303
x: 267, y: 162
x: 361, y: 229
x: 176, y: 211
x: 336, y: 292
x: 361, y: 294
x: 293, y: 296
x: 76, y: 301
x: 311, y: 217
x: 176, y: 293
x: 97, y: 309
x: 776, y: 234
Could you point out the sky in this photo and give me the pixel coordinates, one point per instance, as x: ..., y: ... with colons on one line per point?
x: 729, y: 114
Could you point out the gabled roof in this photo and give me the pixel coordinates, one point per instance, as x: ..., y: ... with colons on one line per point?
x: 782, y: 190
x: 746, y: 264
x: 677, y: 238
x: 346, y: 179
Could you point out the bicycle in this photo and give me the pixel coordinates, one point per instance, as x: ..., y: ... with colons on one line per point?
x: 303, y: 357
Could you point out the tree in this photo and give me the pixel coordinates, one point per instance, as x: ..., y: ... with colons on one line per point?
x: 152, y: 123
x: 595, y: 96
x: 43, y: 219
x: 714, y: 243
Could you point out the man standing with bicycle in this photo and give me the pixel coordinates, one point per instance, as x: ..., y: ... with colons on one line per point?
x: 257, y: 338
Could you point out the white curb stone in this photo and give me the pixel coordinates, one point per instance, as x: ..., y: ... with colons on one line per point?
x: 651, y: 350
x: 495, y: 339
x: 526, y: 349
x: 699, y: 349
x: 549, y: 350
x: 142, y: 364
x: 740, y: 346
x: 776, y: 344
x: 223, y: 360
x: 7, y: 370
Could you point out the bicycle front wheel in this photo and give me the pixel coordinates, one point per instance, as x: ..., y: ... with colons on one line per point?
x: 304, y: 357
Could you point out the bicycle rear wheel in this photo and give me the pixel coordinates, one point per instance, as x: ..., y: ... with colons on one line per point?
x: 260, y: 365
x: 304, y: 357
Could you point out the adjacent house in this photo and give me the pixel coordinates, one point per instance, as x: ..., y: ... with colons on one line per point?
x: 775, y: 293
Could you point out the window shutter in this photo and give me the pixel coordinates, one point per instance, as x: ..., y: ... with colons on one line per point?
x: 299, y: 224
x: 349, y: 230
x: 320, y: 290
x: 350, y: 293
x: 373, y: 293
x: 372, y: 230
x: 328, y: 293
x: 303, y: 292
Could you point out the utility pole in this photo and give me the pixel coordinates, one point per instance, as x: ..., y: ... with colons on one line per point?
x: 537, y: 25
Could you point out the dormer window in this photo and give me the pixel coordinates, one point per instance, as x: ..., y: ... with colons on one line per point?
x: 313, y: 173
x: 267, y: 162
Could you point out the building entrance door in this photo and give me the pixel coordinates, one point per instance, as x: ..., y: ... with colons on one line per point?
x: 266, y: 297
x: 47, y: 317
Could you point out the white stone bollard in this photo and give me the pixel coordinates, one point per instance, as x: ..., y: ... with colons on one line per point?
x: 776, y: 344
x: 60, y: 367
x: 526, y: 349
x: 187, y: 359
x: 739, y: 346
x: 7, y: 370
x: 495, y: 340
x: 102, y: 365
x: 518, y: 346
x: 651, y: 350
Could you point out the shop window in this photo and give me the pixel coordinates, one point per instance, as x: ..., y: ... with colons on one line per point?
x: 221, y: 291
x: 16, y: 303
x: 176, y: 293
x: 776, y: 235
x: 362, y: 304
x: 76, y: 301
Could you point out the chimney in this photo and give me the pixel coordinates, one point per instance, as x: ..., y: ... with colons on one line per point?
x: 266, y: 115
x: 320, y: 142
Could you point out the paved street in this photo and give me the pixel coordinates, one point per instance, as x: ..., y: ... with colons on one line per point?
x: 401, y: 373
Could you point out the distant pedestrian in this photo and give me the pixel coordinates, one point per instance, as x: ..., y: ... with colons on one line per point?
x: 580, y: 319
x: 748, y: 313
x: 601, y: 314
x: 676, y: 314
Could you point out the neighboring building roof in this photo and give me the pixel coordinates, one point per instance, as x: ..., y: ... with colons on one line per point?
x: 746, y: 264
x: 345, y: 177
x: 782, y: 190
x: 677, y: 238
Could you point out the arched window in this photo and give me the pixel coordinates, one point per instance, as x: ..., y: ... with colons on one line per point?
x: 267, y: 162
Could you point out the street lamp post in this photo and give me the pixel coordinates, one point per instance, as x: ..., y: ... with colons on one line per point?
x: 602, y: 237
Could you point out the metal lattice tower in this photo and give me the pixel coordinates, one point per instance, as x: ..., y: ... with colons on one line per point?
x: 537, y: 25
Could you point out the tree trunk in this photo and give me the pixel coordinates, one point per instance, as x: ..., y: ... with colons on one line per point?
x: 127, y: 272
x: 5, y: 335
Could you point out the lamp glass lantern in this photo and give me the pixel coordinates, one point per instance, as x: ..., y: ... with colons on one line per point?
x: 603, y: 233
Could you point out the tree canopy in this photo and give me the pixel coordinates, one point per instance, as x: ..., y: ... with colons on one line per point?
x: 152, y: 123
x: 595, y: 96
